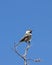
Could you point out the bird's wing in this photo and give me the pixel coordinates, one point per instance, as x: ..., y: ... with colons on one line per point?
x: 24, y: 38
x: 21, y: 40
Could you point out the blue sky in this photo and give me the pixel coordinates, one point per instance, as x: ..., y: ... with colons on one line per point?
x: 16, y: 16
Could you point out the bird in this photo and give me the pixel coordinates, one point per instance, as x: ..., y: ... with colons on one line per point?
x: 26, y: 38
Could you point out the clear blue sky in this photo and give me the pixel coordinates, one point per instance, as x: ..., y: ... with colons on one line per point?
x: 16, y: 16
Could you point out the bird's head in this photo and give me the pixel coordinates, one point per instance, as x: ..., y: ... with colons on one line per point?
x: 29, y: 31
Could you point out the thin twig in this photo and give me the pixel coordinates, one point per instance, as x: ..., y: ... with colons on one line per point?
x: 35, y: 60
x: 24, y: 56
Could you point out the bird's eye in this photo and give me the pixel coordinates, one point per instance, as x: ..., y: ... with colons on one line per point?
x: 30, y: 31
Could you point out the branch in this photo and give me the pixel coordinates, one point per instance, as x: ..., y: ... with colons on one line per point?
x: 24, y: 56
x: 25, y: 53
x: 15, y: 50
x: 35, y: 60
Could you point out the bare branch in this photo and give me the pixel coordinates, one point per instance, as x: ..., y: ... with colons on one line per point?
x: 26, y: 49
x: 35, y: 60
x: 24, y: 56
x: 15, y: 50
